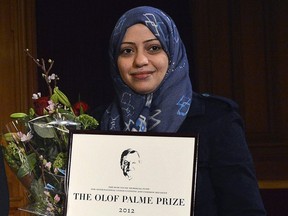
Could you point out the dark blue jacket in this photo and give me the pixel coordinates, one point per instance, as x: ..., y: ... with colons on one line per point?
x: 4, y: 195
x: 226, y: 182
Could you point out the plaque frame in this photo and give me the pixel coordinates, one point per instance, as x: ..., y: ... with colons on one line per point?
x: 98, y: 183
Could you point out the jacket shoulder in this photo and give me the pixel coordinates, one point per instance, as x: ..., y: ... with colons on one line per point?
x: 218, y: 101
x: 206, y: 109
x: 211, y: 106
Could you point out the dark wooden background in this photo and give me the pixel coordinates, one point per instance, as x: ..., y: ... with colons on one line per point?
x: 236, y: 48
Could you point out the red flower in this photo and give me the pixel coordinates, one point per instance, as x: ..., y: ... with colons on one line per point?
x: 40, y: 104
x: 80, y: 107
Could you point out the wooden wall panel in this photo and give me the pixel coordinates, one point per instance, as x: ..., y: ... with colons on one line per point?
x: 254, y: 70
x: 219, y: 38
x: 17, y: 72
x: 241, y: 51
x: 278, y: 47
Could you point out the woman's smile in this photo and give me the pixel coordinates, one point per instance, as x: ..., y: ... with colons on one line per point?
x: 141, y: 75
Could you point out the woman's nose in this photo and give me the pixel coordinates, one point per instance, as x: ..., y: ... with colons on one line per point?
x: 141, y: 59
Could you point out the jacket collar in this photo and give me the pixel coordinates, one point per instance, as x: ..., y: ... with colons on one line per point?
x: 197, y: 106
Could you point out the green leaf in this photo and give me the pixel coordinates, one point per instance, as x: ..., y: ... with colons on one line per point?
x: 62, y: 97
x: 54, y: 98
x: 31, y: 112
x: 27, y: 166
x: 18, y: 115
x: 87, y: 121
x: 32, y: 160
x: 9, y: 137
x: 43, y: 130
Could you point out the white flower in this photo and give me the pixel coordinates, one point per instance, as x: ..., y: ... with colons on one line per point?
x: 52, y: 77
x: 56, y: 171
x: 51, y: 106
x: 48, y: 165
x: 25, y: 137
x: 36, y: 96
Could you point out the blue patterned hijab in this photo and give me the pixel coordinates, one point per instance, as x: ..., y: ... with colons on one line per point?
x: 165, y: 109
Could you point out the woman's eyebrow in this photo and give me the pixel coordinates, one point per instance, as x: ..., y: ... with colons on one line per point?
x: 153, y: 39
x: 124, y: 42
x: 146, y: 41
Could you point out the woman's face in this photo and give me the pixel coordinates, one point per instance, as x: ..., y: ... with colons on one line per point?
x: 142, y: 61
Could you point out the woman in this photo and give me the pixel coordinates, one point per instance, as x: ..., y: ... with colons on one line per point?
x: 150, y: 72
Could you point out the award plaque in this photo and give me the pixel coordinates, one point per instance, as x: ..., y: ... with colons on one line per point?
x: 139, y: 174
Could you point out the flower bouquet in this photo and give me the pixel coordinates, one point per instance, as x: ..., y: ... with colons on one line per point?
x: 35, y: 144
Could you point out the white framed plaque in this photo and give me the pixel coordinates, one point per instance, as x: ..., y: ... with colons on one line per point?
x: 137, y: 174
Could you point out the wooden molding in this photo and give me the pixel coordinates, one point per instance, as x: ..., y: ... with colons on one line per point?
x: 273, y: 184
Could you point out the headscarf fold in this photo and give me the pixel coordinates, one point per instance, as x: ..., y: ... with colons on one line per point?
x: 165, y: 109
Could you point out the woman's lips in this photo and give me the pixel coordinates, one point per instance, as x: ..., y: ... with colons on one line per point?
x: 141, y: 75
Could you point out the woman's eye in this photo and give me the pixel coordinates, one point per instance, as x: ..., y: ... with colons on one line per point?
x: 126, y: 51
x: 155, y: 48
